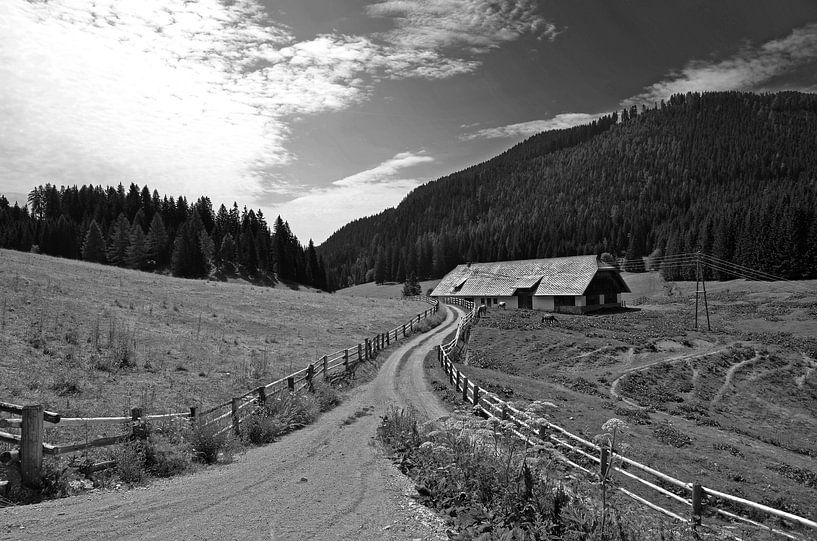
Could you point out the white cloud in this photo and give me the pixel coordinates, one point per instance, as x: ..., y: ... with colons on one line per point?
x: 749, y: 69
x: 322, y: 211
x: 526, y: 129
x: 475, y: 25
x: 198, y: 97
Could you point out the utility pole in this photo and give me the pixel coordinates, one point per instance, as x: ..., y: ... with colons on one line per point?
x: 700, y: 287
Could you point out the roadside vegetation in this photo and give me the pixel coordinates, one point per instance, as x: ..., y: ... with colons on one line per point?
x: 488, y: 484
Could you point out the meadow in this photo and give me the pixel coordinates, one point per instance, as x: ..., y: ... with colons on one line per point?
x: 90, y: 340
x: 735, y: 407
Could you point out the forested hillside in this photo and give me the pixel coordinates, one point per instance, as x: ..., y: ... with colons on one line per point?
x: 143, y: 230
x: 732, y: 174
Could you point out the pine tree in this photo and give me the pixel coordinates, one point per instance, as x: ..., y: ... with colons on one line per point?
x: 137, y: 257
x: 412, y: 286
x: 156, y: 243
x: 226, y: 253
x: 93, y: 249
x: 313, y: 267
x: 118, y: 241
x: 188, y: 260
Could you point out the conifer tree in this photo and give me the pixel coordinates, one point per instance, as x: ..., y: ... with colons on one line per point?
x: 188, y: 259
x: 137, y: 248
x: 118, y: 241
x: 227, y: 252
x: 93, y: 249
x: 156, y: 243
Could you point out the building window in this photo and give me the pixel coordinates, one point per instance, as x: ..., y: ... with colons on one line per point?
x: 496, y: 301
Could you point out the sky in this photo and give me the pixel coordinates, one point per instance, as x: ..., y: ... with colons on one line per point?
x: 324, y: 111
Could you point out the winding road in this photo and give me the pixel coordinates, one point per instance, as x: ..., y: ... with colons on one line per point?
x: 330, y: 480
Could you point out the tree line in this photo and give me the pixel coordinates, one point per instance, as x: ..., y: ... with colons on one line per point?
x: 729, y: 173
x: 140, y: 229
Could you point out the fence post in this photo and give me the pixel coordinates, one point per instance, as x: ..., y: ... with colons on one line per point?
x: 464, y: 388
x: 411, y: 325
x: 346, y: 359
x: 262, y: 395
x: 697, y: 504
x: 603, y: 463
x: 476, y: 394
x: 504, y: 411
x: 325, y: 368
x: 31, y: 446
x: 234, y: 407
x: 291, y: 384
x: 310, y: 373
x: 138, y: 428
x: 367, y: 349
x: 440, y: 355
x: 360, y: 352
x: 451, y: 374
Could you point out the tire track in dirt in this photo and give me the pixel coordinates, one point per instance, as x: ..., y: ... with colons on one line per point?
x: 727, y: 382
x: 689, y: 356
x: 329, y: 480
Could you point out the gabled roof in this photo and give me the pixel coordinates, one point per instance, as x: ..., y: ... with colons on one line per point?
x: 559, y: 276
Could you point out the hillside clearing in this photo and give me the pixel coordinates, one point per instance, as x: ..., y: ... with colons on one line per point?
x: 91, y: 340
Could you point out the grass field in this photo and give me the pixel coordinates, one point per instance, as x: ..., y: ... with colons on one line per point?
x: 735, y: 408
x: 92, y: 340
x: 389, y: 290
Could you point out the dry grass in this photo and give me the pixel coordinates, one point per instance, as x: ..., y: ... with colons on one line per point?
x: 92, y: 340
x: 741, y: 418
x: 389, y: 290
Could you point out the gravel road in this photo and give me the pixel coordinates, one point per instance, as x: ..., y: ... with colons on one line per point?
x: 330, y: 480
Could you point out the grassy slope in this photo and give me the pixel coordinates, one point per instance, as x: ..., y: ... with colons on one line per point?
x: 766, y: 415
x: 65, y: 325
x: 389, y: 290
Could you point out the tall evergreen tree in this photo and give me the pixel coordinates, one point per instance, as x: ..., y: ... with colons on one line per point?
x: 93, y: 249
x: 157, y: 250
x: 137, y: 253
x: 118, y: 241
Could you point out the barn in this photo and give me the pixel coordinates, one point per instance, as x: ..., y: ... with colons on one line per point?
x: 575, y: 285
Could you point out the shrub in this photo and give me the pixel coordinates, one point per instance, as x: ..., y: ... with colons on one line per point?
x: 207, y: 443
x: 326, y: 396
x: 167, y: 451
x: 430, y: 322
x: 667, y: 433
x: 130, y: 462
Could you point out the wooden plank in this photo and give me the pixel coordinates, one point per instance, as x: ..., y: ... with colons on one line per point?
x: 11, y: 423
x: 50, y: 416
x: 13, y: 439
x: 760, y: 507
x: 99, y: 442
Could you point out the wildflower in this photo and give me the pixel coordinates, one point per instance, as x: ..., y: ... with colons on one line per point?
x: 614, y: 425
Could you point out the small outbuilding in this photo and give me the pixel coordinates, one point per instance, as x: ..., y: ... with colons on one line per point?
x: 575, y: 285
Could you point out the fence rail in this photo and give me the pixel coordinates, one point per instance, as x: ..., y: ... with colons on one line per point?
x: 223, y: 417
x: 537, y: 430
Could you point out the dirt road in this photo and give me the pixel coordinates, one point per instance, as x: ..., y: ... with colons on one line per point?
x: 327, y: 481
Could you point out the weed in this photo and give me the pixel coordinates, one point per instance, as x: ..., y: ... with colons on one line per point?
x: 667, y: 433
x: 207, y: 443
x: 130, y: 462
x: 66, y: 384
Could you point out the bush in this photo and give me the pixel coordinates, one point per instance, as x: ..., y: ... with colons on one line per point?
x: 667, y: 433
x: 207, y: 443
x: 167, y: 451
x: 326, y: 396
x: 430, y: 322
x: 261, y: 428
x: 130, y: 462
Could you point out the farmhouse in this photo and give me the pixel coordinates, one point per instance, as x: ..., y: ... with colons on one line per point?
x: 564, y: 284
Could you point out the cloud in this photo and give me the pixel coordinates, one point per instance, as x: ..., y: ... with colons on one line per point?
x: 322, y: 211
x: 199, y: 97
x: 474, y: 25
x: 526, y: 129
x: 749, y: 69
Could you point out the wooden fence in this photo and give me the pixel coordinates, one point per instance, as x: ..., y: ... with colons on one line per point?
x: 223, y: 417
x: 696, y: 497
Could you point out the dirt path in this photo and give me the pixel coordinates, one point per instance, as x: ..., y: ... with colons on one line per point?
x: 327, y: 481
x: 727, y: 382
x: 614, y: 386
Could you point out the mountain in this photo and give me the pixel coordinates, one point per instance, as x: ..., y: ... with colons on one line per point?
x: 732, y: 174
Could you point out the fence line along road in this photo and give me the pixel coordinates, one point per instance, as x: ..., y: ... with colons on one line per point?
x: 537, y: 430
x: 28, y: 446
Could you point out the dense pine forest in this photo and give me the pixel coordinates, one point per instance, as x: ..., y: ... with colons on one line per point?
x: 140, y: 229
x: 731, y: 174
